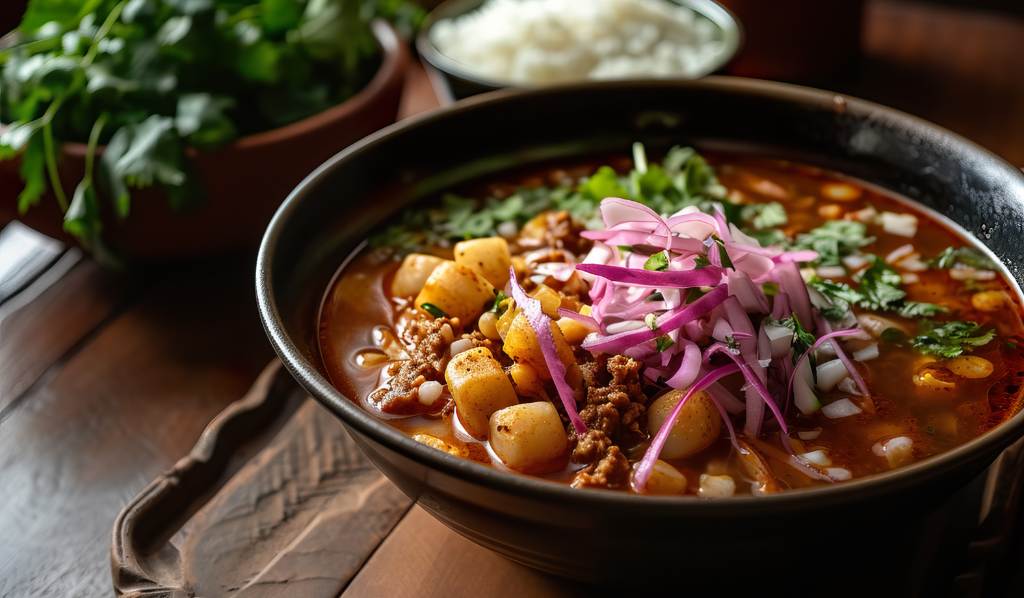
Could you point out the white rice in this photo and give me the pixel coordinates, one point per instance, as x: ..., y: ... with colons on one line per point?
x: 535, y: 42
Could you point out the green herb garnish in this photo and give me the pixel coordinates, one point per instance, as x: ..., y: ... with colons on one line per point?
x: 834, y: 240
x: 433, y: 310
x: 152, y: 78
x: 762, y: 216
x: 841, y: 296
x: 498, y: 306
x: 663, y: 342
x: 880, y: 290
x: 968, y: 256
x: 950, y: 339
x: 657, y: 262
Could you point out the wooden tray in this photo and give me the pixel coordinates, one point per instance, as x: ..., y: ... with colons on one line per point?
x: 275, y: 500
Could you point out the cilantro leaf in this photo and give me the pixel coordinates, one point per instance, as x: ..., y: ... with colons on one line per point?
x: 967, y: 256
x: 603, y: 183
x: 841, y: 296
x: 834, y: 240
x: 803, y: 340
x: 657, y: 262
x: 663, y: 342
x: 950, y: 339
x: 764, y: 215
x: 880, y: 287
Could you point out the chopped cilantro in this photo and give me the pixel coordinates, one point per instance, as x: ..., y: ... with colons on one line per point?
x: 499, y: 306
x: 968, y: 256
x: 841, y: 296
x: 656, y: 296
x: 732, y: 344
x: 694, y: 294
x: 950, y: 339
x: 663, y: 342
x: 802, y: 339
x: 433, y: 310
x: 657, y: 262
x: 723, y: 255
x: 761, y: 216
x: 834, y: 240
x: 880, y: 288
x: 770, y: 289
x: 625, y: 248
x: 769, y: 237
x: 701, y: 261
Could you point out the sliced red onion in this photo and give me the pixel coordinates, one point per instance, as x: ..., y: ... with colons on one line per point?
x: 651, y: 278
x: 726, y: 399
x: 587, y: 321
x: 793, y: 285
x: 754, y: 381
x: 689, y: 366
x: 646, y: 465
x: 751, y: 297
x: 666, y: 322
x: 541, y: 325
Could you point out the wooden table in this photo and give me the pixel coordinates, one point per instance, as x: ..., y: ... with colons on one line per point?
x: 106, y: 380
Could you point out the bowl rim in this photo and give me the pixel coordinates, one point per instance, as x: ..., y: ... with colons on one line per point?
x: 719, y: 15
x: 395, y: 59
x: 355, y: 417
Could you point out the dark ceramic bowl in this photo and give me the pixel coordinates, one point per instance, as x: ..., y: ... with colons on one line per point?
x: 243, y: 182
x: 858, y: 532
x: 452, y: 80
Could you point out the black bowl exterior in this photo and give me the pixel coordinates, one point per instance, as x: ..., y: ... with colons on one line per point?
x: 451, y: 81
x: 596, y: 535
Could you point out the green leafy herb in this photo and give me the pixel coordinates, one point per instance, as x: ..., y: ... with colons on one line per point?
x: 950, y: 339
x: 803, y: 340
x: 433, y: 310
x: 693, y: 294
x: 723, y: 255
x: 701, y: 261
x: 499, y: 306
x: 880, y: 288
x: 834, y: 240
x: 655, y: 296
x: 764, y: 215
x: 657, y: 262
x: 663, y: 342
x: 732, y: 344
x: 769, y: 237
x: 894, y: 336
x: 770, y: 289
x: 164, y: 75
x: 968, y: 256
x: 841, y: 296
x: 682, y: 179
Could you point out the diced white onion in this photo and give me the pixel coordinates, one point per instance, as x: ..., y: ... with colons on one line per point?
x: 803, y: 395
x: 855, y: 261
x: 830, y: 373
x: 831, y: 271
x: 780, y: 337
x: 867, y: 353
x: 463, y: 344
x: 913, y: 265
x: 899, y: 253
x: 849, y: 387
x: 867, y: 214
x: 839, y: 473
x: 809, y: 434
x: 961, y: 272
x: 910, y: 278
x: 840, y: 409
x: 897, y: 451
x: 904, y: 225
x: 429, y: 392
x: 716, y: 486
x: 624, y: 326
x: 508, y: 229
x: 818, y: 457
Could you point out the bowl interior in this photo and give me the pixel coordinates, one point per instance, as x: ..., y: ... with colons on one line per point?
x: 335, y: 208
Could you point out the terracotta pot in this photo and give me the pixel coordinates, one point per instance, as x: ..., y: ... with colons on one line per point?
x: 243, y: 183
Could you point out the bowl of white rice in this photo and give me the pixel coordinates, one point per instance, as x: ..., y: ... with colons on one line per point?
x: 473, y: 46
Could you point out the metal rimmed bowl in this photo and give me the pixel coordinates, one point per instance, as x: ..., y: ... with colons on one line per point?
x: 453, y: 80
x: 856, y: 534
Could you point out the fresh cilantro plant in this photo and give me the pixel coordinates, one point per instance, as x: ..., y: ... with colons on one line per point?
x: 950, y: 339
x: 149, y: 78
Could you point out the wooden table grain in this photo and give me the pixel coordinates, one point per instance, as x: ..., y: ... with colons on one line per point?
x: 106, y: 379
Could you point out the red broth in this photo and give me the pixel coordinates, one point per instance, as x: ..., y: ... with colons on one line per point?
x: 362, y: 330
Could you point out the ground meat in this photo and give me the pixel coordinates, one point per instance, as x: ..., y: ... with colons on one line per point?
x: 428, y: 354
x: 494, y: 346
x: 614, y: 413
x: 612, y: 471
